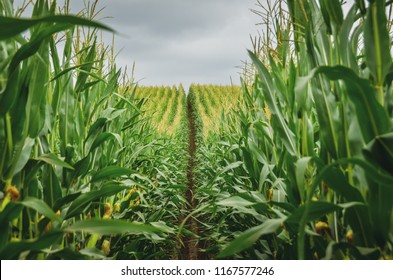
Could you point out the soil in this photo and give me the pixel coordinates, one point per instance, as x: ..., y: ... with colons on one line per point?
x: 190, y: 250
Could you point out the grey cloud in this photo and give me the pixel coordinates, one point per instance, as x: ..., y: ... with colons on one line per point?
x: 200, y: 41
x: 175, y: 41
x: 173, y: 18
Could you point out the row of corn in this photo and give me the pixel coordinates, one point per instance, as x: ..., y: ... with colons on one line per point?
x: 303, y: 168
x: 83, y: 174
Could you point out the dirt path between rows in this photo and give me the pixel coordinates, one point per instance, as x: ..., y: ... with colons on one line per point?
x: 190, y: 251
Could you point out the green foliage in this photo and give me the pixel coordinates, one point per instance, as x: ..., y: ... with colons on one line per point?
x: 312, y: 143
x: 81, y: 171
x: 296, y: 164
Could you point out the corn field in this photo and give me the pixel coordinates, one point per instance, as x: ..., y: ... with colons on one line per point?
x: 296, y: 163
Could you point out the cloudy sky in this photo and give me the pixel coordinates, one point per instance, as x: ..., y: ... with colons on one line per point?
x: 186, y: 41
x: 175, y: 41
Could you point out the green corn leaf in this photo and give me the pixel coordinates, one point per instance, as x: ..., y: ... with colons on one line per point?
x: 235, y: 201
x: 39, y: 70
x: 299, y: 18
x: 41, y: 207
x: 13, y: 249
x: 14, y: 26
x: 65, y: 200
x: 380, y: 152
x: 107, y: 227
x: 377, y: 41
x: 332, y: 10
x: 326, y: 16
x: 96, y: 126
x: 231, y: 166
x: 256, y: 152
x: 372, y: 117
x: 14, y: 79
x: 250, y: 236
x: 110, y: 172
x: 30, y: 48
x: 358, y: 216
x: 51, y: 185
x: 162, y: 226
x: 10, y: 212
x: 346, y: 50
x: 379, y: 175
x: 82, y: 166
x: 25, y: 154
x: 70, y: 69
x: 300, y: 168
x: 69, y: 254
x: 79, y: 204
x: 86, y: 68
x: 361, y: 5
x: 102, y: 138
x: 52, y: 159
x: 92, y: 253
x: 283, y: 129
x: 316, y: 210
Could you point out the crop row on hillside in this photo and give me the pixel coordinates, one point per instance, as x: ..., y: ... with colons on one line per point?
x: 213, y: 103
x: 165, y: 106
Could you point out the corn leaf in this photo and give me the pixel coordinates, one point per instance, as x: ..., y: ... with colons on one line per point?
x: 110, y: 172
x: 107, y: 227
x: 40, y: 206
x: 377, y: 41
x: 14, y: 26
x: 250, y: 236
x: 283, y: 129
x: 79, y: 204
x: 13, y: 249
x: 52, y: 159
x: 372, y: 117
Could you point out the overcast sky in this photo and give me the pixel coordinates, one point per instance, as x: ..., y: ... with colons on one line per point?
x: 173, y: 41
x: 186, y: 41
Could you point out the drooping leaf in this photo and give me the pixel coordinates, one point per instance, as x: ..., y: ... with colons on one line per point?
x: 380, y: 152
x: 79, y: 204
x: 110, y: 172
x: 107, y: 227
x: 286, y: 134
x: 372, y: 117
x: 102, y: 138
x: 40, y: 206
x: 316, y: 210
x: 13, y: 249
x: 235, y: 201
x: 53, y: 160
x: 14, y: 26
x: 250, y: 236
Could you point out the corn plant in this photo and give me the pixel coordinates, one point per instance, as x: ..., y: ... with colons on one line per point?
x: 305, y: 169
x: 80, y: 169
